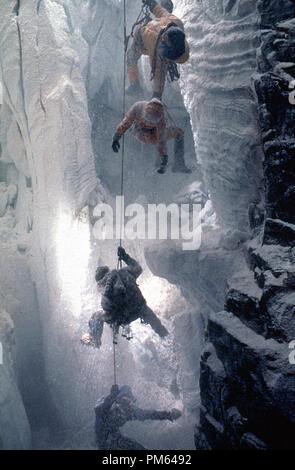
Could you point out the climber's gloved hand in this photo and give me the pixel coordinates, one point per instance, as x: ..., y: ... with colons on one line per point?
x: 168, y: 5
x: 121, y: 253
x: 116, y: 143
x: 150, y: 3
x: 175, y: 414
x: 115, y: 390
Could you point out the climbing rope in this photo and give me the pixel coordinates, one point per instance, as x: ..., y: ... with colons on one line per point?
x: 124, y: 110
x: 115, y: 326
x: 172, y: 69
x: 114, y: 355
x: 144, y: 10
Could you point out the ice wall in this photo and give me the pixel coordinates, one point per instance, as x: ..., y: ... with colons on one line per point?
x: 62, y: 98
x: 47, y: 175
x: 217, y: 89
x: 246, y: 380
x: 235, y: 87
x: 61, y: 68
x: 15, y: 430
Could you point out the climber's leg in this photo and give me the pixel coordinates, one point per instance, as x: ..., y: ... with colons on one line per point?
x: 159, y: 77
x: 96, y: 322
x: 148, y: 316
x: 163, y: 164
x: 133, y: 55
x: 179, y: 165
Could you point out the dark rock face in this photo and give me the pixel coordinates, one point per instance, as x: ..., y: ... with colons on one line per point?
x: 247, y: 382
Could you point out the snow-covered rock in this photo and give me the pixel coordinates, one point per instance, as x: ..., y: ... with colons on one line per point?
x: 15, y: 431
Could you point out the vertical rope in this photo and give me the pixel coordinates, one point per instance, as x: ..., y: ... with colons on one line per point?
x: 125, y: 42
x: 124, y: 110
x: 114, y: 354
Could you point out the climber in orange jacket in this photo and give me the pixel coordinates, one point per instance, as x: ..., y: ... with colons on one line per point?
x: 163, y: 40
x: 150, y: 127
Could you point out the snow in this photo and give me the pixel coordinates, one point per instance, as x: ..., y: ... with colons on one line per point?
x: 14, y: 426
x: 61, y: 70
x: 55, y: 63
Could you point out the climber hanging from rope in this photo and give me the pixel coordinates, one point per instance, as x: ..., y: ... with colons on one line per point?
x: 115, y: 410
x: 163, y: 40
x: 150, y: 121
x: 122, y: 301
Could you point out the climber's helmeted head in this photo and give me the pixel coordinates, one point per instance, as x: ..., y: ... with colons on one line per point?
x: 172, y: 45
x: 154, y: 110
x: 100, y: 273
x: 168, y: 5
x: 122, y: 408
x: 125, y: 395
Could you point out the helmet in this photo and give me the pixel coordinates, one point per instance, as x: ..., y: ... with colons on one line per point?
x: 168, y: 4
x: 125, y: 392
x: 101, y: 272
x: 154, y: 109
x: 176, y: 41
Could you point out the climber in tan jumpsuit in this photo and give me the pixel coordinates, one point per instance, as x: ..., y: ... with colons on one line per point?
x: 150, y: 127
x: 163, y: 40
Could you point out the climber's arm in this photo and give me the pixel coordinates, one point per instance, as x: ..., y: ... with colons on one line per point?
x: 109, y: 283
x: 127, y: 121
x: 143, y: 415
x: 133, y: 266
x: 106, y: 403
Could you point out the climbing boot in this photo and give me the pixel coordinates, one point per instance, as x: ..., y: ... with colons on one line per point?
x: 134, y: 89
x: 168, y: 5
x: 88, y: 340
x: 163, y: 164
x: 179, y: 165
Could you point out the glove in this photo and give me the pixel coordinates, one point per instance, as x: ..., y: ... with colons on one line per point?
x: 114, y: 390
x: 168, y: 5
x: 150, y: 3
x: 116, y: 143
x: 121, y: 253
x: 175, y: 414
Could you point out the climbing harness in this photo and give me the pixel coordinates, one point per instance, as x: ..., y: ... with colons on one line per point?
x: 139, y: 21
x: 172, y: 72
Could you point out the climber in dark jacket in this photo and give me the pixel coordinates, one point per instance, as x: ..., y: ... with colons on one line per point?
x: 122, y: 300
x: 113, y: 411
